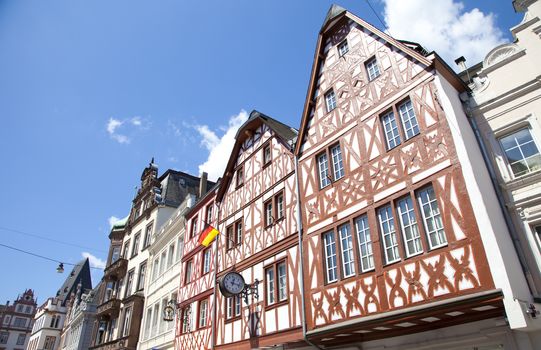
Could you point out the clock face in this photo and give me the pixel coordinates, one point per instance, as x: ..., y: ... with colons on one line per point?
x: 232, y: 284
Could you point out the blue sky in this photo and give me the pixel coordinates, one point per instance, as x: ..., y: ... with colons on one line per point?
x: 90, y: 91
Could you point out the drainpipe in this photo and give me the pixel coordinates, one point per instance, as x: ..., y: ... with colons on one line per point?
x: 214, y: 309
x: 301, y: 270
x: 503, y: 207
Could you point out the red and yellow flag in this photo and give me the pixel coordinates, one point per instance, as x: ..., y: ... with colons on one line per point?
x: 208, y: 235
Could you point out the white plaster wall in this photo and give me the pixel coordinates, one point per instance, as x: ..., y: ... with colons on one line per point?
x: 501, y: 255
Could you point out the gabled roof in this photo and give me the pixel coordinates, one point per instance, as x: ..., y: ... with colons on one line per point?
x: 79, y: 274
x: 335, y: 15
x: 284, y: 133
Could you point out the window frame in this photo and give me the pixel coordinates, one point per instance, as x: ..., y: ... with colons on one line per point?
x: 398, y: 129
x: 148, y: 235
x: 372, y: 62
x: 129, y: 283
x: 273, y: 288
x: 236, y: 308
x: 185, y: 319
x: 199, y: 304
x: 268, y: 216
x: 333, y: 174
x: 331, y: 101
x: 193, y: 226
x: 204, y: 269
x: 520, y: 127
x: 341, y: 45
x: 332, y: 257
x: 135, y: 245
x: 367, y: 232
x: 267, y: 160
x: 188, y: 273
x: 239, y: 176
x: 142, y: 273
x: 439, y: 214
x: 417, y: 240
x: 346, y: 251
x: 395, y: 246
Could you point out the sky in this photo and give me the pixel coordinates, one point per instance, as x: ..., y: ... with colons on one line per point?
x: 90, y: 91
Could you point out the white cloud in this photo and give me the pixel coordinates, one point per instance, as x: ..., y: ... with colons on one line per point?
x: 113, y: 220
x: 127, y: 125
x: 219, y: 147
x: 94, y: 260
x: 445, y: 27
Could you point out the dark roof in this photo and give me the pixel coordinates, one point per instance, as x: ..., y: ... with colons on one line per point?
x: 286, y: 132
x: 177, y: 185
x: 333, y: 12
x: 79, y: 274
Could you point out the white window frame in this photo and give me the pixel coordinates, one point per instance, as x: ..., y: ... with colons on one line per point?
x: 408, y: 221
x: 435, y: 214
x: 203, y: 313
x: 331, y: 261
x: 372, y: 68
x: 409, y: 119
x: 323, y: 169
x: 522, y: 126
x: 343, y: 48
x: 391, y: 250
x: 390, y: 130
x: 330, y: 100
x: 366, y: 251
x: 346, y: 245
x: 206, y: 260
x: 337, y: 162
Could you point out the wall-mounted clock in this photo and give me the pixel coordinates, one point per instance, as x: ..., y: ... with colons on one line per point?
x: 232, y: 283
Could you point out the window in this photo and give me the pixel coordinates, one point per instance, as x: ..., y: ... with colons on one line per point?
x: 323, y: 166
x: 409, y: 121
x: 155, y: 320
x: 148, y: 322
x: 21, y: 322
x: 28, y: 309
x: 203, y: 313
x: 49, y: 343
x: 129, y: 283
x: 206, y: 261
x: 276, y: 282
x: 234, y: 235
x: 155, y: 268
x: 185, y: 317
x: 390, y: 243
x: 209, y: 214
x: 21, y: 338
x: 126, y: 323
x: 188, y: 272
x: 337, y: 166
x: 346, y: 243
x: 115, y: 254
x: 279, y: 206
x: 193, y: 231
x: 372, y: 68
x: 269, y: 219
x: 408, y: 223
x: 229, y: 237
x: 135, y: 248
x: 232, y: 307
x: 521, y: 151
x: 126, y: 248
x: 240, y: 176
x: 148, y: 236
x: 431, y: 217
x: 179, y: 249
x: 163, y: 260
x: 330, y: 100
x: 171, y: 255
x: 343, y: 48
x: 330, y: 257
x: 238, y: 230
x: 390, y: 128
x: 141, y: 278
x: 4, y: 337
x: 365, y: 243
x: 267, y: 155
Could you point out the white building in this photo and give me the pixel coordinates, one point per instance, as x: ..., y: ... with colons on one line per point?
x: 80, y: 317
x: 505, y: 107
x: 161, y: 288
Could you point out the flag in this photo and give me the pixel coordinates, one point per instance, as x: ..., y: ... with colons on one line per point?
x: 208, y: 235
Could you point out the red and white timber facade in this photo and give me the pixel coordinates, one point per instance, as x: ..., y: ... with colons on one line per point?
x: 259, y: 238
x: 397, y: 238
x: 196, y: 291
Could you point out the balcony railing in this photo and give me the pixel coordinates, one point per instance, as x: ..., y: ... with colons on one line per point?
x: 124, y: 343
x: 109, y: 308
x: 116, y: 270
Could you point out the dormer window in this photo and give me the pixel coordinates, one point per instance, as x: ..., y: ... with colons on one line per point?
x: 343, y: 48
x: 240, y: 176
x: 267, y: 155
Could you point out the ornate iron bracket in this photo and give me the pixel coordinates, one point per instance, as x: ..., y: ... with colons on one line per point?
x: 250, y: 289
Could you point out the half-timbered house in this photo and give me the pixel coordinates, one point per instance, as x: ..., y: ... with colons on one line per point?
x: 401, y: 229
x: 259, y: 238
x: 196, y: 289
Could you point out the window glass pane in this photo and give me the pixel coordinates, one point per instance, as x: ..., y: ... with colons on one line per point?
x: 282, y: 281
x: 323, y: 165
x: 521, y: 152
x: 343, y: 48
x: 372, y: 69
x: 410, y: 230
x: 392, y: 136
x: 409, y: 121
x: 270, y: 286
x: 390, y: 243
x: 330, y: 256
x: 330, y: 100
x: 346, y: 242
x: 432, y: 217
x: 337, y: 164
x: 365, y: 243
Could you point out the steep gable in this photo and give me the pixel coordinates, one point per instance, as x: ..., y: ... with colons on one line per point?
x: 347, y: 75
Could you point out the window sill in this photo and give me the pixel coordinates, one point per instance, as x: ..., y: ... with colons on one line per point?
x: 275, y: 305
x: 232, y: 319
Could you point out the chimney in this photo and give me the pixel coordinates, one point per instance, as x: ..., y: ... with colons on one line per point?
x: 203, y: 184
x: 461, y: 62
